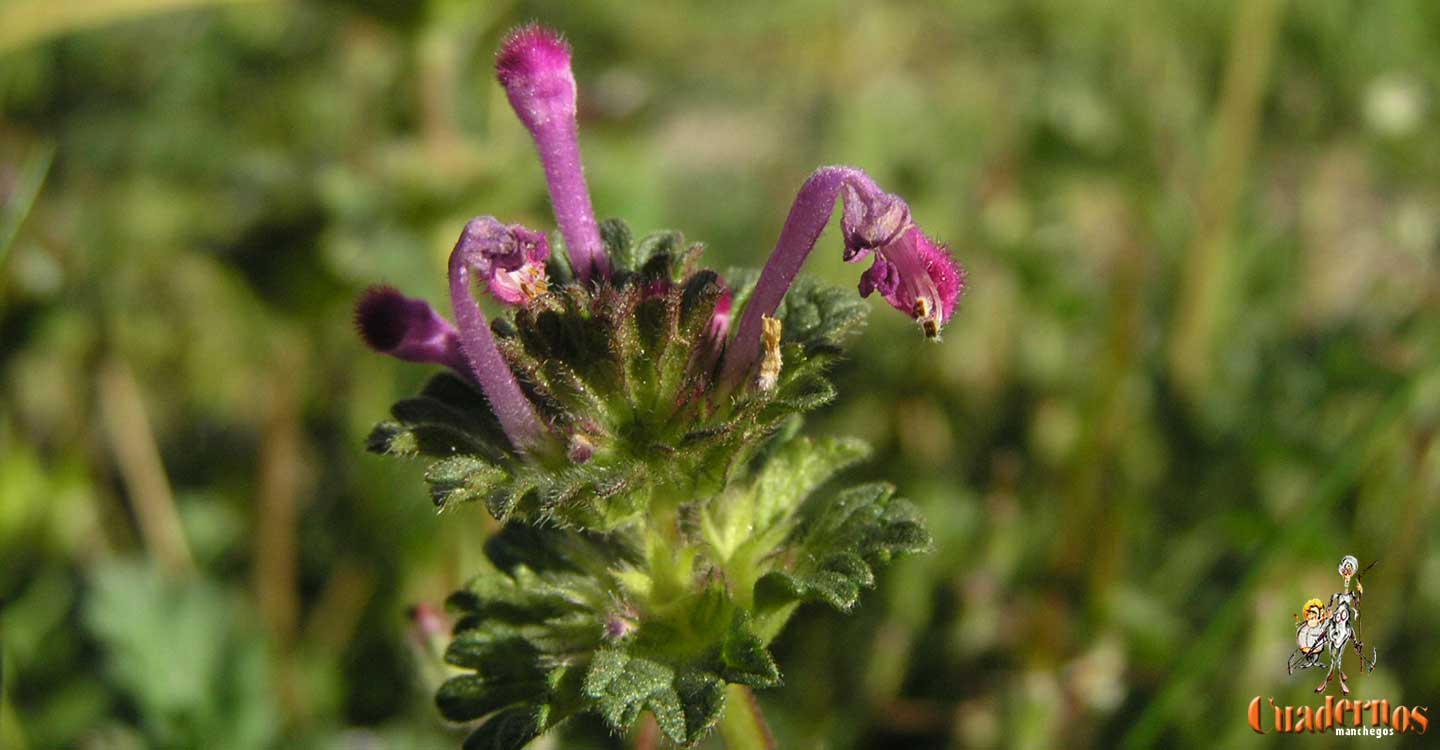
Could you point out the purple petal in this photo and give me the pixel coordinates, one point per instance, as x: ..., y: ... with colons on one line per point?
x: 872, y: 218
x: 510, y: 260
x: 407, y: 329
x: 918, y: 277
x: 532, y: 53
x: 882, y: 276
x: 720, y: 318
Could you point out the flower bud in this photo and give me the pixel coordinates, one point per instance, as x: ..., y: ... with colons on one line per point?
x: 534, y: 67
x: 407, y: 329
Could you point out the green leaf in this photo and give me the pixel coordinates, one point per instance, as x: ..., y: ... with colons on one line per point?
x: 835, y: 548
x: 510, y: 729
x: 501, y: 655
x: 619, y: 244
x: 745, y: 657
x: 665, y: 242
x: 619, y: 686
x: 780, y: 587
x: 558, y: 267
x: 746, y: 529
x: 796, y: 470
x: 183, y: 656
x: 669, y: 715
x: 814, y: 312
x: 461, y: 479
x: 468, y: 697
x: 447, y: 419
x: 702, y: 695
x: 392, y: 438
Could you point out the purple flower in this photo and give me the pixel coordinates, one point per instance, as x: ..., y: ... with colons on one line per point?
x: 534, y: 67
x: 720, y: 318
x: 510, y: 260
x: 408, y: 329
x: 483, y: 240
x: 712, y: 341
x: 914, y: 274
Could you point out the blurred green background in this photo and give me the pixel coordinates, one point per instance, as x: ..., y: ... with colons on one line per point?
x: 1198, y: 363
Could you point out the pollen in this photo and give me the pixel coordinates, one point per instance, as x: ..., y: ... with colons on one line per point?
x: 770, y: 360
x: 534, y: 285
x: 928, y: 322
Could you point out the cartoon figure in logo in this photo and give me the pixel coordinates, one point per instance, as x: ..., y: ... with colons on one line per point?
x: 1311, y: 636
x: 1329, y: 627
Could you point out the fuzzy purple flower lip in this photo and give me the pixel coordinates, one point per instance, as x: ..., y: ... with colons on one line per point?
x: 917, y: 277
x: 408, y: 329
x: 534, y: 67
x: 510, y: 260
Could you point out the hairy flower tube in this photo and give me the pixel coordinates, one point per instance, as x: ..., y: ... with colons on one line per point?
x: 481, y: 246
x: 663, y: 516
x: 408, y: 329
x: 534, y: 67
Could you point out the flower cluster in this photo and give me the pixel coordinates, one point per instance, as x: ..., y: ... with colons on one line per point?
x: 663, y: 516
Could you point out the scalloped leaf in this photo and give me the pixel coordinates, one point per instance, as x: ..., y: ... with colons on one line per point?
x: 686, y: 704
x: 746, y: 659
x: 836, y: 547
x: 464, y: 478
x: 469, y: 696
x: 815, y: 312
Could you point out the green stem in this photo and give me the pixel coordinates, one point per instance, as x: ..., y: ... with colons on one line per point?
x: 743, y: 726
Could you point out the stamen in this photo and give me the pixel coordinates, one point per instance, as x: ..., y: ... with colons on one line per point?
x: 770, y: 360
x: 928, y: 323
